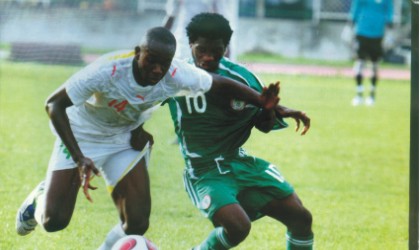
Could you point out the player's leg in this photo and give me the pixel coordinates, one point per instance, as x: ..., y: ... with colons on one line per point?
x: 61, y: 190
x: 52, y: 202
x: 375, y: 55
x: 132, y: 198
x: 129, y: 187
x: 298, y: 220
x: 268, y: 193
x: 215, y: 195
x: 358, y: 68
x: 232, y: 227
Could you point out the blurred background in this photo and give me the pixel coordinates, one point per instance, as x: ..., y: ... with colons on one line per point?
x: 72, y: 30
x: 351, y: 169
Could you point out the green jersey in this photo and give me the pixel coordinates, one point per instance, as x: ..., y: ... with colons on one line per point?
x: 210, y: 127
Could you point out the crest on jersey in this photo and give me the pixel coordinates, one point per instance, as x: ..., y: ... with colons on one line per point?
x: 237, y: 105
x: 205, y: 202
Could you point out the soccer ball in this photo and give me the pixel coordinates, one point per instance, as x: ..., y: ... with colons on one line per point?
x: 134, y: 242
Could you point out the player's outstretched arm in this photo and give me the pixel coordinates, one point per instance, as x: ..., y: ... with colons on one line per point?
x: 56, y: 108
x: 229, y: 88
x: 299, y: 117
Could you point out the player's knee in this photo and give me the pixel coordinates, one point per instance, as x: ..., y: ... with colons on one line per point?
x: 137, y: 226
x: 303, y: 224
x: 55, y: 222
x: 307, y: 218
x: 238, y: 232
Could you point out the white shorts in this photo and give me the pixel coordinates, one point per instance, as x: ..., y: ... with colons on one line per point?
x: 114, y: 161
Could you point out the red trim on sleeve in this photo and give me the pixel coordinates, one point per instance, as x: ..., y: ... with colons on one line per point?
x: 114, y: 69
x: 173, y: 72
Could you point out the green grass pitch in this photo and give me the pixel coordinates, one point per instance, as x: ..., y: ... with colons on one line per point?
x: 351, y: 169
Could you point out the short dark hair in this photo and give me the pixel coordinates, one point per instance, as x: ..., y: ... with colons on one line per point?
x: 209, y: 26
x: 159, y: 35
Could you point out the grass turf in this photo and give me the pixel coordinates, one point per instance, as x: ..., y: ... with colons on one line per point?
x: 350, y: 170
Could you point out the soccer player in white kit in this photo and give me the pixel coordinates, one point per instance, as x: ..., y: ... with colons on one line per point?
x: 98, y: 116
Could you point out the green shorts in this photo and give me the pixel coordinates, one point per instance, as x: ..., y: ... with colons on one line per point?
x: 243, y: 179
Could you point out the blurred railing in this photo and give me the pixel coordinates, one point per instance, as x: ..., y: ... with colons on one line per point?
x: 316, y: 10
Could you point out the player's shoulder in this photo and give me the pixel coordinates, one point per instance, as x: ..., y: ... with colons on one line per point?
x: 114, y: 58
x: 181, y: 62
x: 113, y: 62
x: 119, y: 54
x: 233, y: 67
x: 184, y: 68
x: 239, y: 72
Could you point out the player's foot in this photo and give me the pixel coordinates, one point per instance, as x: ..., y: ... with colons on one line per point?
x: 25, y: 217
x: 357, y: 100
x: 369, y: 101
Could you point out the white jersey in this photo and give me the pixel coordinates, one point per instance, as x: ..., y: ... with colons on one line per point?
x: 108, y: 102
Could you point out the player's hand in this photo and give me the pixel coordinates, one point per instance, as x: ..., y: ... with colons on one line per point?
x: 299, y: 116
x: 139, y: 139
x: 269, y: 96
x: 86, y: 167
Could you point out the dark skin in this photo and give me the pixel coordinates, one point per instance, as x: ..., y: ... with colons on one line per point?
x: 131, y: 195
x: 207, y: 53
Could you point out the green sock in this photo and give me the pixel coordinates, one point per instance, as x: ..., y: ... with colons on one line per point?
x: 217, y: 240
x: 299, y: 243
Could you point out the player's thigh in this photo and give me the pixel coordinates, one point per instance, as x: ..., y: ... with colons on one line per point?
x: 232, y: 217
x: 131, y: 194
x: 261, y: 182
x: 212, y: 191
x: 61, y: 189
x: 288, y: 207
x: 62, y: 183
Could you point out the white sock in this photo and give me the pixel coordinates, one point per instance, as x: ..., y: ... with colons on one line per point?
x: 359, y: 89
x: 358, y: 67
x: 113, y: 236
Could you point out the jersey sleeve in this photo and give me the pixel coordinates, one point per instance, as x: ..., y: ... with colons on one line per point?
x: 190, y: 79
x: 82, y: 85
x: 240, y: 73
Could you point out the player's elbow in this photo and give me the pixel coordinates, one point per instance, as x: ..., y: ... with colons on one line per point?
x: 49, y: 106
x: 58, y: 102
x: 52, y: 108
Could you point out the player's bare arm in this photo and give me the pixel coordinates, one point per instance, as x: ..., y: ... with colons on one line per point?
x: 270, y: 96
x: 298, y: 115
x: 232, y: 89
x: 139, y: 138
x: 267, y: 118
x: 56, y: 106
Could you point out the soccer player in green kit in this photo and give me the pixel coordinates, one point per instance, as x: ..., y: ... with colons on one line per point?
x: 230, y: 187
